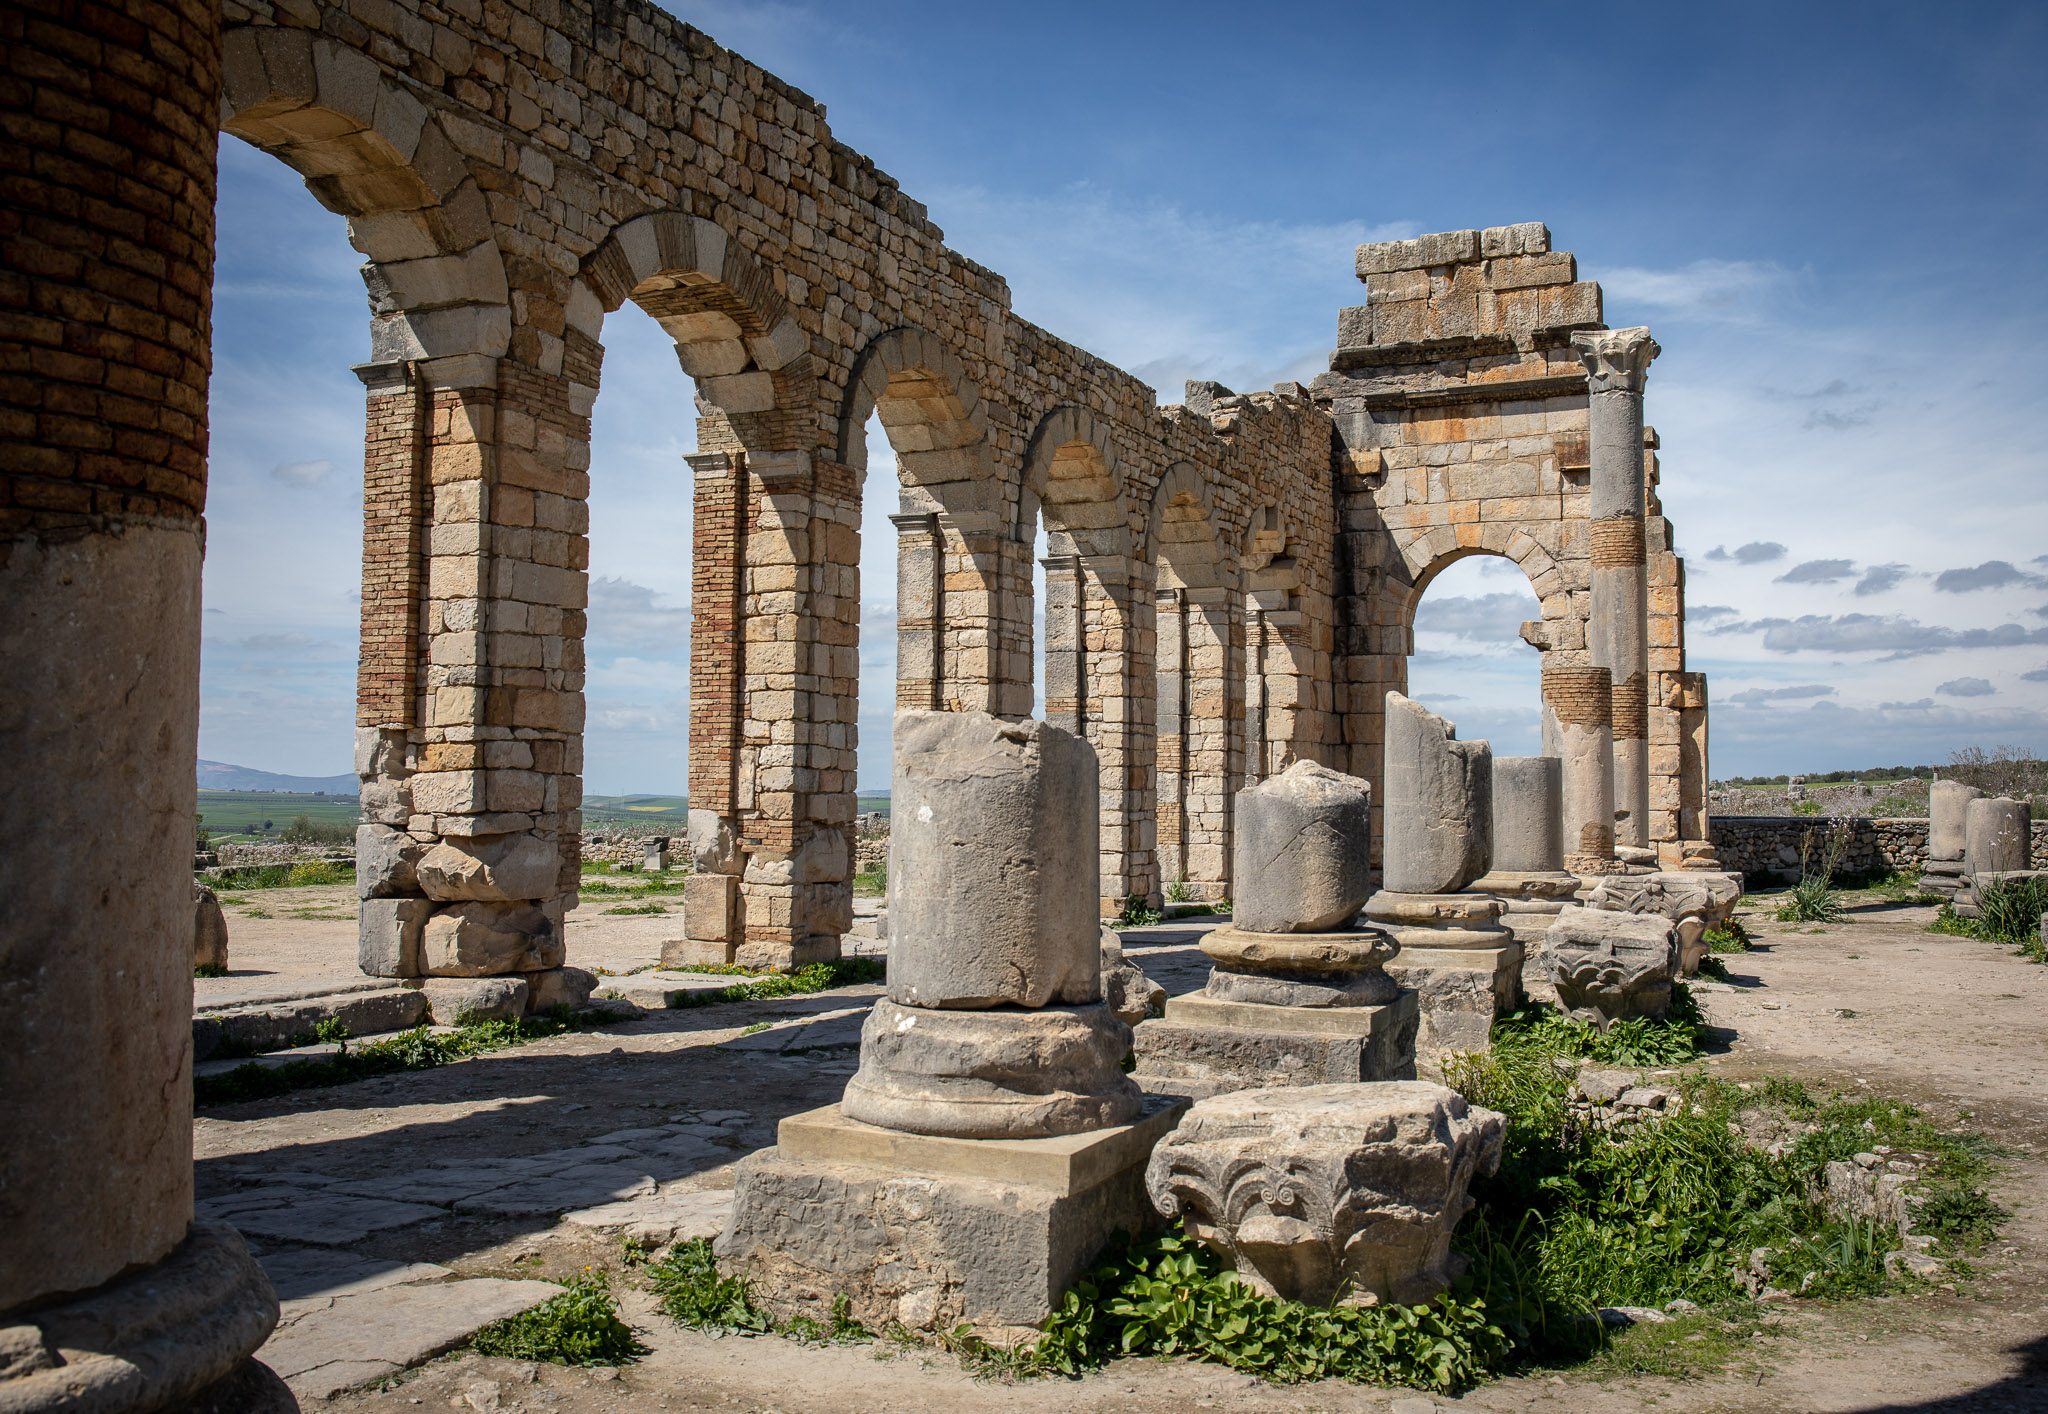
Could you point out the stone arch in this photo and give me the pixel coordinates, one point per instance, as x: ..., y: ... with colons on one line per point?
x: 735, y: 335
x: 373, y: 153
x: 1073, y: 475
x: 1184, y: 534
x: 1427, y: 556
x: 933, y: 415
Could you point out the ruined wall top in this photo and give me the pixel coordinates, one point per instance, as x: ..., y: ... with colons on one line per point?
x: 1462, y: 292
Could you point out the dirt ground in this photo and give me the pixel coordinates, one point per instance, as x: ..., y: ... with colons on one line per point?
x: 1872, y: 1004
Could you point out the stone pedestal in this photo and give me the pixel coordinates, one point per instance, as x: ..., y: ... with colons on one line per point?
x: 1530, y: 903
x: 933, y: 1231
x: 1283, y: 1009
x: 1464, y: 966
x: 990, y: 1143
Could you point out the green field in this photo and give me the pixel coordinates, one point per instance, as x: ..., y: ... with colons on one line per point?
x: 599, y: 810
x: 261, y: 814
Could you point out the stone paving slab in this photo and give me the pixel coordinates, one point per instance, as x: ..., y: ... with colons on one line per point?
x: 292, y: 1214
x: 270, y: 993
x: 839, y: 1027
x: 309, y: 1279
x: 366, y: 1336
x: 661, y: 1218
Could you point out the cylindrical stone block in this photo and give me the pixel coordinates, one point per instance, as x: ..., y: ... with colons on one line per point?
x: 1996, y: 839
x: 1303, y: 852
x: 1579, y: 697
x: 1439, y: 810
x: 992, y: 864
x: 1528, y: 814
x: 1948, y: 808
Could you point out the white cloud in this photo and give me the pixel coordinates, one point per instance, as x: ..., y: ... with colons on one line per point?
x: 1730, y: 291
x: 310, y: 473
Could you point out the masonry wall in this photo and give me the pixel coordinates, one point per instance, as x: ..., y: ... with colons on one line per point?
x: 1766, y: 846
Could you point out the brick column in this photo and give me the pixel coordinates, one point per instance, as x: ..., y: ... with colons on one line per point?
x: 711, y: 915
x: 1107, y: 672
x: 106, y: 277
x: 1580, y: 700
x: 1170, y: 750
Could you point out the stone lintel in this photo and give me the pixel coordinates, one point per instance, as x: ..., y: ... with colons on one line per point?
x: 1064, y: 1165
x: 1505, y: 390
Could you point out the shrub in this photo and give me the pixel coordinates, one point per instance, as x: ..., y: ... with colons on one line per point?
x: 1179, y: 892
x: 1813, y: 898
x: 1728, y: 937
x: 2010, y: 911
x: 303, y: 830
x: 579, y: 1327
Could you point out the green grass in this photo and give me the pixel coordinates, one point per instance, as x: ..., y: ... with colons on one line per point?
x: 2009, y: 913
x: 579, y: 1327
x: 649, y: 908
x: 305, y: 874
x: 417, y: 1049
x: 1689, y: 1346
x: 873, y: 883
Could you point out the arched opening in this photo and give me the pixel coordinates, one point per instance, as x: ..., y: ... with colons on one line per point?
x: 1470, y: 662
x: 282, y: 573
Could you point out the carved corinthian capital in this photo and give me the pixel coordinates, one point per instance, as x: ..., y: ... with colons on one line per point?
x: 1617, y: 360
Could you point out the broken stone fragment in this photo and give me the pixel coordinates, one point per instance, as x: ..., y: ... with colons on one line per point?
x: 1439, y: 807
x: 1318, y: 1193
x: 488, y: 939
x: 1127, y: 991
x: 1300, y: 969
x: 388, y: 934
x: 1608, y: 967
x: 386, y: 862
x: 455, y: 1001
x: 496, y: 868
x: 1303, y: 851
x: 559, y: 987
x: 209, y: 931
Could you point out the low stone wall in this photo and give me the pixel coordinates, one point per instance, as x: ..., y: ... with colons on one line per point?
x: 626, y: 847
x: 1768, y: 845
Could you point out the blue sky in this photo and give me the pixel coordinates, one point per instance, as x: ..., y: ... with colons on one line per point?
x: 1829, y: 215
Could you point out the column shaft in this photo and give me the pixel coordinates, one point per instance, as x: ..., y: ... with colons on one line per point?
x: 1618, y: 633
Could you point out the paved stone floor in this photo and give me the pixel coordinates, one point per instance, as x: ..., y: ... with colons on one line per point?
x: 397, y: 1215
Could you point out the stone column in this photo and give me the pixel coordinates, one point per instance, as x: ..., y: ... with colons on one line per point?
x: 1617, y: 364
x: 1211, y: 721
x: 920, y: 621
x: 108, y: 268
x: 1066, y: 647
x: 1948, y: 804
x: 1109, y: 671
x: 717, y: 667
x: 1170, y: 737
x: 1528, y: 871
x: 1579, y: 699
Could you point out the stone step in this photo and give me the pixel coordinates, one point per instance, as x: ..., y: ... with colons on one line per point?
x: 273, y: 1026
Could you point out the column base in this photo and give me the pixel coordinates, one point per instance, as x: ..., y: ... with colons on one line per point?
x: 1207, y: 1047
x: 934, y: 1231
x: 1462, y: 991
x: 782, y: 956
x: 176, y: 1336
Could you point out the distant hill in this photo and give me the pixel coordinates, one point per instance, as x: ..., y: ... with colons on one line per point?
x: 218, y: 775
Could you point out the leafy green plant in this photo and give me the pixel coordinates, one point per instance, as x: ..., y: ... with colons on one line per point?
x: 692, y: 1293
x: 1728, y: 937
x: 209, y: 969
x: 1948, y: 921
x: 1813, y: 899
x: 1806, y: 807
x: 1179, y: 892
x: 579, y: 1327
x: 1167, y: 1295
x: 872, y: 882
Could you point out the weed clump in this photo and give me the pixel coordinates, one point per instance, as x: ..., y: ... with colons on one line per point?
x: 579, y: 1327
x: 692, y: 1293
x: 2009, y: 912
x: 818, y: 977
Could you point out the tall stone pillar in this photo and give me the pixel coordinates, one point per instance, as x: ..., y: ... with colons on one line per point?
x: 1617, y: 364
x: 106, y: 273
